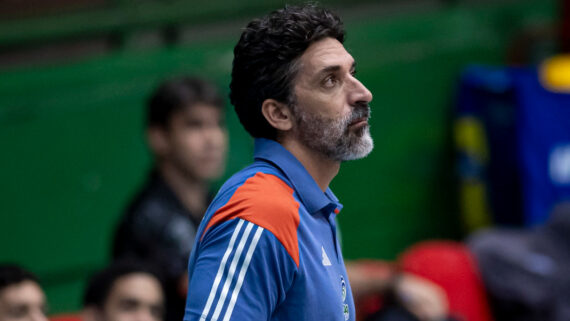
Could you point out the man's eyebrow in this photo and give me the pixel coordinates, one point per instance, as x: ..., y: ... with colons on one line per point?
x: 328, y: 69
x: 334, y: 68
x: 129, y: 300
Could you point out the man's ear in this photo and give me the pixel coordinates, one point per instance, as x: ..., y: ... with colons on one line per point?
x: 157, y: 140
x: 277, y: 114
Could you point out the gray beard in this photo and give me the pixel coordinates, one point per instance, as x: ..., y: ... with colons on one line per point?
x: 332, y: 137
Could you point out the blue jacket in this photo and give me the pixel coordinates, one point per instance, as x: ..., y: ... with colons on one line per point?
x: 267, y: 248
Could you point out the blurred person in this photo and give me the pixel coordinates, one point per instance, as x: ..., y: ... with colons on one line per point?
x: 267, y: 248
x: 430, y: 281
x: 384, y: 292
x: 525, y: 271
x: 124, y: 291
x: 21, y: 296
x: 186, y: 134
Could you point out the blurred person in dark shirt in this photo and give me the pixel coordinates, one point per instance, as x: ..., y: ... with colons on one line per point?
x: 124, y: 291
x: 526, y: 271
x: 186, y: 134
x: 21, y: 296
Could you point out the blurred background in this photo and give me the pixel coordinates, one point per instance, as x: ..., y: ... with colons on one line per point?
x: 75, y: 76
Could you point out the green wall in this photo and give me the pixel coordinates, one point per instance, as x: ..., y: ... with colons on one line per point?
x: 73, y: 152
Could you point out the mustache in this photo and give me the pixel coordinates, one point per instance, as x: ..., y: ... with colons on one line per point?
x: 361, y: 110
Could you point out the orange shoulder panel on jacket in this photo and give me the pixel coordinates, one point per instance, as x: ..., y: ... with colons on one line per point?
x: 267, y: 201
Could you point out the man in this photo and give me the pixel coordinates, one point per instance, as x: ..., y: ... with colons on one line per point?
x: 267, y: 248
x: 124, y: 291
x: 21, y: 297
x: 188, y: 139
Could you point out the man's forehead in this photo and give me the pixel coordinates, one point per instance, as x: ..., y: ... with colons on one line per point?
x: 326, y: 53
x: 199, y: 110
x: 135, y: 285
x: 25, y: 288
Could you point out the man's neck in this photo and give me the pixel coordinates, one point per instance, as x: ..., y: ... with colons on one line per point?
x: 191, y: 192
x: 321, y: 168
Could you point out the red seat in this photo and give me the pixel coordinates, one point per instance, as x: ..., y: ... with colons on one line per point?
x: 451, y: 266
x: 66, y: 317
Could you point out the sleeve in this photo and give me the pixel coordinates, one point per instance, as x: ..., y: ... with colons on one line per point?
x: 240, y: 272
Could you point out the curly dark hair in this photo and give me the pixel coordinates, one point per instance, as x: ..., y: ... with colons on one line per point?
x: 178, y: 93
x: 266, y: 56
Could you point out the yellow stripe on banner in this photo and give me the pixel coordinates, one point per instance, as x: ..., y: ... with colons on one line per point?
x: 474, y: 205
x: 470, y: 138
x: 555, y: 73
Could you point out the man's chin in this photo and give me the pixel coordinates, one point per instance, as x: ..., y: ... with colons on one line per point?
x: 365, y: 149
x: 358, y: 149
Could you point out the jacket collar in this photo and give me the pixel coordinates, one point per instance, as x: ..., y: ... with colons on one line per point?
x: 308, y: 190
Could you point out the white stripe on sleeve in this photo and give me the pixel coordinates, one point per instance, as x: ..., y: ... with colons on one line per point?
x: 220, y: 271
x: 231, y: 272
x: 241, y: 276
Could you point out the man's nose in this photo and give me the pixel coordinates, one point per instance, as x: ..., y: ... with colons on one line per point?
x: 213, y: 136
x: 359, y: 94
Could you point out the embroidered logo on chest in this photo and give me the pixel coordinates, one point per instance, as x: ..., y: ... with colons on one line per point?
x: 345, y: 309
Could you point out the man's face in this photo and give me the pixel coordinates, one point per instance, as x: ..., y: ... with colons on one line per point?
x: 134, y: 297
x: 196, y: 140
x: 331, y: 106
x: 23, y: 301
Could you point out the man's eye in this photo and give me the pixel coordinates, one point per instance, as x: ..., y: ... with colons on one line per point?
x: 19, y: 311
x: 330, y: 81
x: 193, y: 124
x: 128, y: 305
